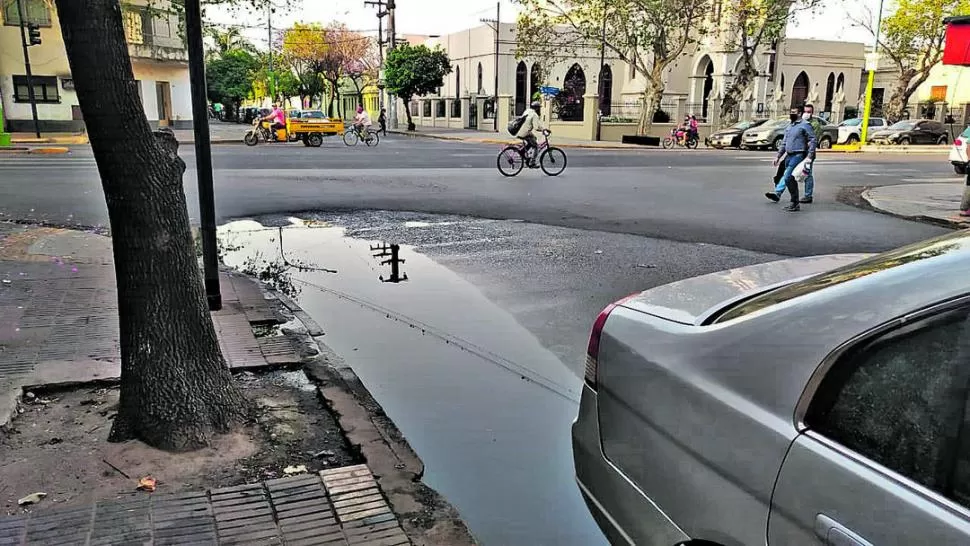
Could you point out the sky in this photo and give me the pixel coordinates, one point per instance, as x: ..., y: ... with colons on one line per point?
x: 829, y: 22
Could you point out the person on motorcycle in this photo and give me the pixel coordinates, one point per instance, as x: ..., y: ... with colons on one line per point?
x: 362, y: 121
x: 532, y: 123
x: 692, y: 128
x: 278, y: 119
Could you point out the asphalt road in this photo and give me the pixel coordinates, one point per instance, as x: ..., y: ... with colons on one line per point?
x: 478, y: 357
x: 690, y: 196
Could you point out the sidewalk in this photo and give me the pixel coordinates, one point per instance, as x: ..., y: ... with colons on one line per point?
x: 490, y: 137
x: 59, y: 329
x: 340, y: 506
x: 935, y: 203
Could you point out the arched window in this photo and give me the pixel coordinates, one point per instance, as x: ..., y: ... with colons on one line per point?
x: 480, y: 88
x: 457, y: 82
x: 521, y: 87
x: 606, y: 90
x: 840, y: 82
x: 799, y: 90
x: 829, y: 92
x: 535, y: 81
x: 569, y: 101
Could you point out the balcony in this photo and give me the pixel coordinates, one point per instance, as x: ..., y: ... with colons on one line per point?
x: 155, y: 36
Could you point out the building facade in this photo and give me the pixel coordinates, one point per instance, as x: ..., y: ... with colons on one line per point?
x: 158, y: 56
x: 945, y: 93
x: 790, y: 72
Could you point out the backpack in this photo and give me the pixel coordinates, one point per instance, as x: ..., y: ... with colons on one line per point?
x: 516, y: 124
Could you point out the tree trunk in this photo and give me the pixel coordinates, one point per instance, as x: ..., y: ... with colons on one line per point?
x: 650, y: 103
x: 731, y: 103
x: 407, y: 110
x: 899, y: 97
x: 176, y: 390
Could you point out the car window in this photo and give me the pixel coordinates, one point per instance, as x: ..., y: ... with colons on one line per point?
x: 901, y: 400
x: 966, y: 133
x: 854, y: 122
x: 905, y: 125
x: 876, y: 122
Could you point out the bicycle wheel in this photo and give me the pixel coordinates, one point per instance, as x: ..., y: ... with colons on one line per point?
x: 552, y: 161
x: 668, y: 143
x: 510, y: 161
x: 372, y: 139
x: 351, y: 138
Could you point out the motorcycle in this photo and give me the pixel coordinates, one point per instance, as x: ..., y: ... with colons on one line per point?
x: 262, y: 131
x: 308, y: 131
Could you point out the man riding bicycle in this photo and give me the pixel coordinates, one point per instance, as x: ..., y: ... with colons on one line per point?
x: 278, y: 118
x: 531, y: 123
x: 362, y: 122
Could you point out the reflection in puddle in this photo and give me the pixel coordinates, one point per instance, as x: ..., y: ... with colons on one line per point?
x: 484, y: 404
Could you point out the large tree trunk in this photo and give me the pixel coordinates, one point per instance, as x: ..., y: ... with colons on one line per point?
x: 899, y: 97
x: 652, y: 96
x: 176, y: 390
x: 731, y: 103
x: 407, y: 110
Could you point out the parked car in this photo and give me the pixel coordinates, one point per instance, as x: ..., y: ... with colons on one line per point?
x: 958, y: 154
x: 766, y: 135
x: 850, y: 130
x: 807, y: 401
x: 770, y: 134
x: 730, y: 137
x: 912, y: 131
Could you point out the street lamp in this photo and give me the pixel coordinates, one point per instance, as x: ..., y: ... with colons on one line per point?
x: 872, y: 63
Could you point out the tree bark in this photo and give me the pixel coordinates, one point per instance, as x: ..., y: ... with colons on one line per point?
x: 176, y: 390
x: 407, y: 110
x: 651, y: 101
x: 899, y: 97
x: 731, y: 103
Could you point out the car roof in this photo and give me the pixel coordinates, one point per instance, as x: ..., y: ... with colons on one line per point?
x: 771, y: 351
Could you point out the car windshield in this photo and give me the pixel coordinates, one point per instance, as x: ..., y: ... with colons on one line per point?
x: 742, y: 125
x: 854, y: 122
x: 905, y: 125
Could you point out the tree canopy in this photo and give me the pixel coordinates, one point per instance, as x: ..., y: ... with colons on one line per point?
x: 415, y: 70
x: 230, y: 78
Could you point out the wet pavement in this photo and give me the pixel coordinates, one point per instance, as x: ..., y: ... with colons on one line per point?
x: 477, y: 356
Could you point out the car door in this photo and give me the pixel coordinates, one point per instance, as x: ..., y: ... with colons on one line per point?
x: 884, y: 453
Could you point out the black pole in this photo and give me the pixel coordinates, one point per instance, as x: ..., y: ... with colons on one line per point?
x: 30, y: 76
x: 203, y: 153
x: 498, y: 27
x: 602, y: 88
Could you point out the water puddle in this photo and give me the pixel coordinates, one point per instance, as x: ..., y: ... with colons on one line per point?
x: 486, y: 406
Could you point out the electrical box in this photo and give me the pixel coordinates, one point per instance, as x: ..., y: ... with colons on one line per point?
x: 956, y: 50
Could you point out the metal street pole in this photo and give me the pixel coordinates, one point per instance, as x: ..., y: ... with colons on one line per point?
x: 30, y: 76
x: 392, y: 30
x: 599, y: 111
x: 498, y: 30
x: 381, y: 13
x: 269, y: 48
x: 874, y: 64
x: 203, y: 153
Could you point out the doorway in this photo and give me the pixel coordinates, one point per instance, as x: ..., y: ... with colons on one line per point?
x: 799, y: 91
x: 163, y: 93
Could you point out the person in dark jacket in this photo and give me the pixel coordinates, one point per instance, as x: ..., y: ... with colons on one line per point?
x: 382, y: 120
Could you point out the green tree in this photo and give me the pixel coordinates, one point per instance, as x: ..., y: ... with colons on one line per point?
x: 415, y: 70
x: 912, y: 39
x: 303, y: 50
x: 224, y: 41
x: 229, y: 79
x: 755, y: 24
x: 649, y: 34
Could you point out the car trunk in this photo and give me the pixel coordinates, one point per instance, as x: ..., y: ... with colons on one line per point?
x: 690, y: 300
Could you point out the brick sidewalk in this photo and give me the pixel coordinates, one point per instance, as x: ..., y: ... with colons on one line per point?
x: 59, y: 314
x: 341, y: 506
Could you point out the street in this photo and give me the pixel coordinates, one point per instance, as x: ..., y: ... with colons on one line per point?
x: 478, y: 357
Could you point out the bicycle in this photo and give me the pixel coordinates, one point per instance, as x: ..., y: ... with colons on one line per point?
x: 353, y: 135
x: 679, y: 137
x: 511, y: 160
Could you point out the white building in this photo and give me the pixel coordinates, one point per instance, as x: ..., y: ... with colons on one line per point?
x: 158, y: 56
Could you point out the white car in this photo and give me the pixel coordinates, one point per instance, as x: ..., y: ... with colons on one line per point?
x: 850, y: 130
x: 958, y: 154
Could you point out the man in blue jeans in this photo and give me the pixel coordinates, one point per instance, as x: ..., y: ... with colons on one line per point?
x: 799, y: 142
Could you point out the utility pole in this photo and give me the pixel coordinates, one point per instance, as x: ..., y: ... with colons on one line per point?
x: 873, y: 63
x: 30, y: 77
x: 203, y: 153
x: 602, y: 88
x: 381, y: 13
x: 392, y: 30
x: 496, y: 26
x: 269, y: 48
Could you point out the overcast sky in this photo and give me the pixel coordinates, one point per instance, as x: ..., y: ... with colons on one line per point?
x: 445, y: 16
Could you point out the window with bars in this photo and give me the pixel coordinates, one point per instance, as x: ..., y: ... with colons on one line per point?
x: 45, y: 89
x: 36, y: 11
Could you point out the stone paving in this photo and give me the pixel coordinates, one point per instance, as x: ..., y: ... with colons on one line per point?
x: 59, y: 314
x: 340, y: 506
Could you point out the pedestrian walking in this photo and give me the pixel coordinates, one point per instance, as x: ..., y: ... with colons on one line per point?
x: 382, y: 120
x: 779, y: 178
x: 798, y: 150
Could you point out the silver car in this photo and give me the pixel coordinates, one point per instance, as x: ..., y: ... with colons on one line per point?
x: 807, y: 401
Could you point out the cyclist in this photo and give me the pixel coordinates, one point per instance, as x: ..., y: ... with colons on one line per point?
x: 362, y: 122
x: 532, y: 123
x: 278, y: 117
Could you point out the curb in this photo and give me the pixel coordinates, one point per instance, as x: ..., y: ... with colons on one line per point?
x: 953, y: 222
x: 49, y: 150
